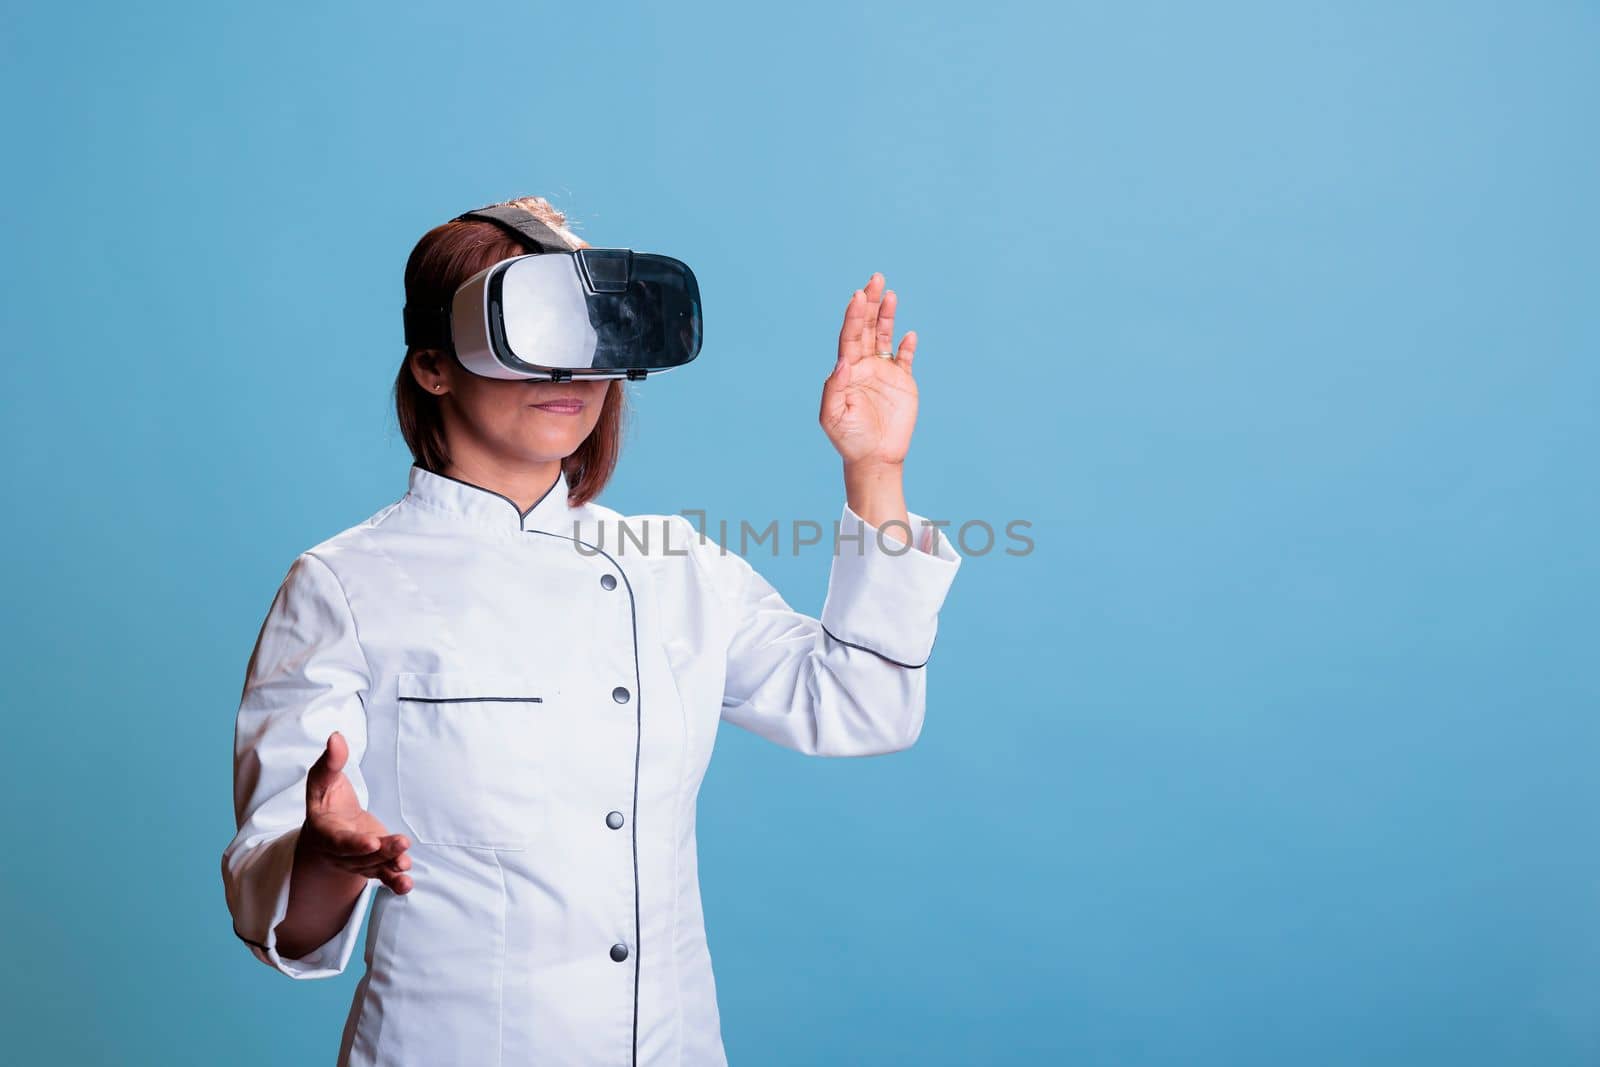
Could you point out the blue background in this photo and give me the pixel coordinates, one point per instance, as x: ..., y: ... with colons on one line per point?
x: 1278, y: 324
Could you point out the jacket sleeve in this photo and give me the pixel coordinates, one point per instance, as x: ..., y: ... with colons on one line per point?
x: 853, y: 682
x: 306, y: 678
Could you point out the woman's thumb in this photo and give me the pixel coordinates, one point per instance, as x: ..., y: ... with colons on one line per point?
x: 331, y: 762
x: 337, y: 752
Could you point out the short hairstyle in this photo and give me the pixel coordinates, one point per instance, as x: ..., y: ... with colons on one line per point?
x: 446, y: 256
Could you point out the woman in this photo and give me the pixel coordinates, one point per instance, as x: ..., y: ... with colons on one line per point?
x: 487, y: 710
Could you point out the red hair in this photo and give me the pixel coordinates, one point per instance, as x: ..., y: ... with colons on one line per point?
x: 446, y: 256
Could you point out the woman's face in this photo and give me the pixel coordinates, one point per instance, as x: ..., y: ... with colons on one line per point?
x: 519, y: 421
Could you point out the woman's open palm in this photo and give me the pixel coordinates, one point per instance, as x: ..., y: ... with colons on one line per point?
x: 340, y: 832
x: 869, y: 402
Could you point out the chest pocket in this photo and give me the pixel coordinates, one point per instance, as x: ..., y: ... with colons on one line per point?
x: 466, y: 757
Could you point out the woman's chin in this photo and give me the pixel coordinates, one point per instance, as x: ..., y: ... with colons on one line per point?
x: 541, y: 448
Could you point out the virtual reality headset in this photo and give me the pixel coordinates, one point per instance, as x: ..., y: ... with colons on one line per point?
x: 558, y: 314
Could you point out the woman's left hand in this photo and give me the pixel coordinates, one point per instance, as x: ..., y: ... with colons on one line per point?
x: 869, y: 402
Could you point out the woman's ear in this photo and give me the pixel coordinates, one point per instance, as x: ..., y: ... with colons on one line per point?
x: 428, y: 367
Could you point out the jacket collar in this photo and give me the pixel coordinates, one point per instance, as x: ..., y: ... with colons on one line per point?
x: 474, y: 504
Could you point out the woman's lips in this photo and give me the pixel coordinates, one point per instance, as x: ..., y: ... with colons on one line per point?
x: 561, y: 407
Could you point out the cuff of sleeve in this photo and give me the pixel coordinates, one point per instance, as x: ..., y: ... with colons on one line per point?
x: 884, y: 595
x: 274, y: 868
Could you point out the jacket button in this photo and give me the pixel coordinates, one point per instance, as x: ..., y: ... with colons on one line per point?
x: 614, y: 820
x: 620, y: 695
x: 608, y: 581
x: 619, y: 952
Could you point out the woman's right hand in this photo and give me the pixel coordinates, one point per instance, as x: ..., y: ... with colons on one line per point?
x: 339, y: 834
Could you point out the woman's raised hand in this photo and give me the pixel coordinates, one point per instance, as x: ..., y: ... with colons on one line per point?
x: 340, y: 833
x: 869, y: 402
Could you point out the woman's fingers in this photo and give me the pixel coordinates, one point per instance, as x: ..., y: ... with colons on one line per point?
x: 390, y: 874
x: 386, y: 865
x: 873, y: 291
x: 392, y: 848
x: 883, y: 340
x: 348, y: 843
x: 400, y: 883
x: 367, y: 852
x: 908, y: 349
x: 862, y: 329
x: 855, y: 324
x: 344, y: 843
x: 373, y: 867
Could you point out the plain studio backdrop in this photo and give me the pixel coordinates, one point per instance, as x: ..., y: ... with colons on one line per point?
x: 1277, y: 324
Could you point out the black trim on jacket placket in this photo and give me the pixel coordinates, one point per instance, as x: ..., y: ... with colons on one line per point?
x: 638, y: 738
x: 638, y: 714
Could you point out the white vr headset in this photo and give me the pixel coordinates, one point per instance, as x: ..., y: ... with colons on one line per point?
x: 558, y: 314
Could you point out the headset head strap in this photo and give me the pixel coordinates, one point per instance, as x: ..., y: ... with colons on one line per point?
x: 429, y: 327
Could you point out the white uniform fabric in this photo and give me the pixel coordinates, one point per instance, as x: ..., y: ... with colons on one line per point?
x: 533, y: 699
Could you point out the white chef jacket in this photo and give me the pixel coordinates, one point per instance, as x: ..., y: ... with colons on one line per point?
x: 532, y: 698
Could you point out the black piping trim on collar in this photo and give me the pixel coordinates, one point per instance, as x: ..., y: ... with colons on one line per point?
x: 638, y: 739
x: 522, y: 516
x: 880, y: 655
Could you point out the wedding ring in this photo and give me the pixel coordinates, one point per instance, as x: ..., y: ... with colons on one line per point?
x: 887, y: 355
